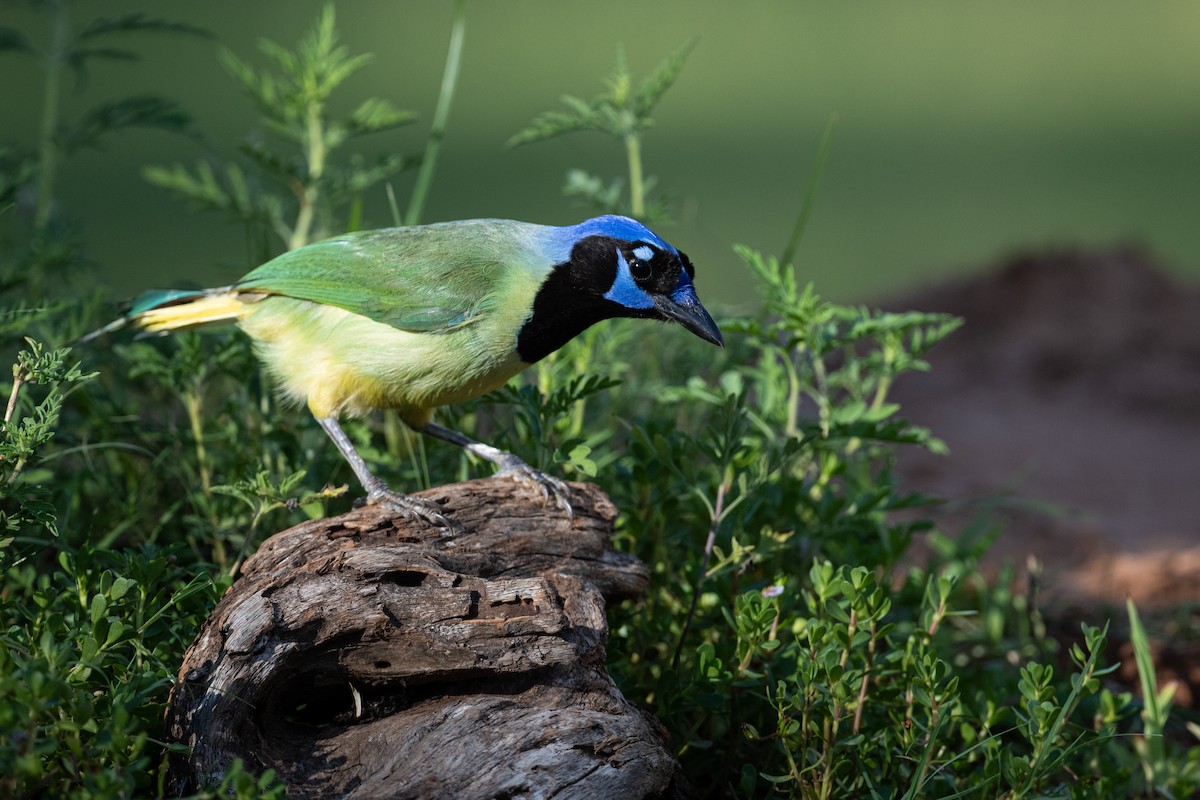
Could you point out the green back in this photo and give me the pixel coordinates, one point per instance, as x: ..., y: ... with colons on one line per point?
x: 423, y: 278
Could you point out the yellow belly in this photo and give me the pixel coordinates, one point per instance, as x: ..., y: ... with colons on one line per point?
x: 340, y: 363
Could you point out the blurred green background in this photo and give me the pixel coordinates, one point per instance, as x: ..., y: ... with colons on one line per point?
x: 967, y: 129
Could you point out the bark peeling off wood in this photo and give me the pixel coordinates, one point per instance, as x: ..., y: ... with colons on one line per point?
x: 365, y: 656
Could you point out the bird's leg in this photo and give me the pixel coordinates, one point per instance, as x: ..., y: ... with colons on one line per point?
x: 378, y: 492
x: 508, y: 463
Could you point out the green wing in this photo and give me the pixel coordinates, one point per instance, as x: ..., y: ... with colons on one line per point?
x: 425, y: 278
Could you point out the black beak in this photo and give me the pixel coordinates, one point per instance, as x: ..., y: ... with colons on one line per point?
x: 683, y: 306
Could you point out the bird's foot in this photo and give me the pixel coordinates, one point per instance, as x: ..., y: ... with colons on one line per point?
x: 409, y: 507
x: 550, y: 486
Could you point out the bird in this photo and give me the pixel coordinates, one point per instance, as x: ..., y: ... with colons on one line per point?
x: 414, y: 318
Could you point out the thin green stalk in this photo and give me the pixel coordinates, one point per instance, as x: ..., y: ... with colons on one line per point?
x: 935, y: 720
x: 1046, y: 745
x: 885, y: 380
x: 916, y: 788
x: 797, y: 775
x: 316, y: 167
x: 717, y: 514
x: 441, y: 115
x: 792, y: 428
x: 821, y: 394
x: 583, y: 362
x: 18, y: 382
x: 393, y: 206
x: 866, y: 677
x: 193, y: 402
x: 18, y: 465
x: 829, y: 744
x: 637, y: 192
x: 881, y: 392
x: 832, y: 722
x: 392, y: 433
x: 851, y: 629
x: 48, y: 146
x: 545, y: 373
x: 1155, y: 708
x: 415, y: 445
x: 810, y: 197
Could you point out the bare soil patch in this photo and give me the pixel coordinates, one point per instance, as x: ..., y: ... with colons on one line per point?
x: 1070, y: 401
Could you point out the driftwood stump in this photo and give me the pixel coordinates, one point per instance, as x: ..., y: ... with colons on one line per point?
x: 369, y: 657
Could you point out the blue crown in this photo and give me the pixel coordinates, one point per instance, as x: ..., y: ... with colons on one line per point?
x: 611, y: 225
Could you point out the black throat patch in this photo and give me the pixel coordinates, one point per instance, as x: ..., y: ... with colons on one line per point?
x: 562, y: 310
x: 572, y: 299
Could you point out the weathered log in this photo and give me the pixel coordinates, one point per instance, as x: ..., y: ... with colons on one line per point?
x: 366, y: 656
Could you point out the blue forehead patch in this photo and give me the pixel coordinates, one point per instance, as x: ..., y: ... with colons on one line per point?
x: 625, y: 290
x: 611, y: 225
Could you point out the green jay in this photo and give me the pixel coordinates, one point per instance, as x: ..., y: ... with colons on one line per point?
x: 418, y: 317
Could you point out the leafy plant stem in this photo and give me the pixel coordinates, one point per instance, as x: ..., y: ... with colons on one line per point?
x: 792, y: 428
x: 866, y: 679
x: 193, y: 403
x: 851, y: 629
x: 710, y: 542
x: 583, y: 364
x: 1046, y: 746
x: 48, y: 145
x: 793, y: 768
x: 414, y: 446
x: 888, y: 352
x: 916, y: 788
x: 18, y: 382
x: 829, y: 736
x: 935, y: 724
x: 441, y: 115
x: 16, y: 470
x: 821, y: 393
x: 1154, y: 705
x: 316, y: 166
x: 637, y: 191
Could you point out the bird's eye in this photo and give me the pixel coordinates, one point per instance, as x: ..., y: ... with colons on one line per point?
x: 639, y: 269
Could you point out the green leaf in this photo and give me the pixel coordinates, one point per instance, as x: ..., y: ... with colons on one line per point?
x: 143, y: 111
x: 137, y: 22
x: 663, y: 78
x: 120, y: 587
x: 619, y: 111
x: 116, y: 629
x: 13, y: 40
x: 98, y: 607
x: 376, y: 114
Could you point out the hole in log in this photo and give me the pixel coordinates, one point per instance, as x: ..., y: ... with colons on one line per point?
x: 517, y: 607
x: 403, y: 577
x: 310, y: 703
x: 383, y: 665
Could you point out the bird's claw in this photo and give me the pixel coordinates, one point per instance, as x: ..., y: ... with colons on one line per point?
x: 549, y: 485
x: 410, y: 507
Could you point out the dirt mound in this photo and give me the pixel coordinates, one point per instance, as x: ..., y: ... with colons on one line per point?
x: 1070, y: 401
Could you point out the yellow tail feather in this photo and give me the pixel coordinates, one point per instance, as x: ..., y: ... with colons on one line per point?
x: 201, y: 311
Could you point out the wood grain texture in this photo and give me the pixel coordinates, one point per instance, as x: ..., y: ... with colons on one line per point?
x: 364, y: 657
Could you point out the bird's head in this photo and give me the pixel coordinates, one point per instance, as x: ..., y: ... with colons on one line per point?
x: 609, y: 267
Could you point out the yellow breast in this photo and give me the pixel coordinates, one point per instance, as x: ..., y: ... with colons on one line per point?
x: 340, y: 363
